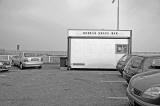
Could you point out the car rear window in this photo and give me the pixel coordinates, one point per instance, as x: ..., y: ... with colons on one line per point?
x: 30, y: 55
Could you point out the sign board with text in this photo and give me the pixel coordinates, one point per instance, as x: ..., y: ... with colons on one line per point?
x: 99, y: 33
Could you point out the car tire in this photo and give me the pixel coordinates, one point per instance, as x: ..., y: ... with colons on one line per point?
x: 121, y: 72
x: 39, y: 67
x: 12, y: 63
x: 21, y: 66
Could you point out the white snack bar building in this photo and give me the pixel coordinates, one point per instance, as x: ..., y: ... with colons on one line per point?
x: 97, y: 49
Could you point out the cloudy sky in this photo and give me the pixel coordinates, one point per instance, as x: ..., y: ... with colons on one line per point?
x: 43, y: 24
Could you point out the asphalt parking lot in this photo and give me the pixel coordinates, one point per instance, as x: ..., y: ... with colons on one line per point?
x: 51, y: 86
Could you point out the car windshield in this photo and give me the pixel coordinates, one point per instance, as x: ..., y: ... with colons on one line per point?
x: 134, y: 62
x: 152, y: 63
x: 30, y: 55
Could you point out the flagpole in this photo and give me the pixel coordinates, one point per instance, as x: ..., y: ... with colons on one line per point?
x: 118, y: 15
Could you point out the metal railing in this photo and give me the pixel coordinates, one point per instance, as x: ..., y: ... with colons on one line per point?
x: 46, y: 59
x: 51, y: 59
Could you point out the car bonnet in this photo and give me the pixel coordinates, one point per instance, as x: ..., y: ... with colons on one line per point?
x: 144, y: 82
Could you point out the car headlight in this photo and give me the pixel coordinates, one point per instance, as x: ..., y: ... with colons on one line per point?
x: 152, y: 93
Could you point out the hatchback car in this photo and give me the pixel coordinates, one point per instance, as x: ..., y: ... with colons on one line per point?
x: 144, y: 89
x: 24, y: 60
x: 4, y: 65
x: 122, y: 62
x: 139, y: 64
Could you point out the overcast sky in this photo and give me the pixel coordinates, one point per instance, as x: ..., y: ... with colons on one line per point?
x: 43, y: 24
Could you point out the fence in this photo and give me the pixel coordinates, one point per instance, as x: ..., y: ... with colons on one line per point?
x: 46, y: 59
x: 48, y: 53
x: 51, y: 59
x: 5, y: 57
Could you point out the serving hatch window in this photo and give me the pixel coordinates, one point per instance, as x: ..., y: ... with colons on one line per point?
x: 121, y: 48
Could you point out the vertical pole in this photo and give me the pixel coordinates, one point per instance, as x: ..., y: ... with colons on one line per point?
x: 8, y: 57
x: 18, y: 47
x: 118, y: 15
x: 49, y: 60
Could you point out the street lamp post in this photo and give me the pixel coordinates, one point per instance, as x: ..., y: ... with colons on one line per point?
x: 117, y: 14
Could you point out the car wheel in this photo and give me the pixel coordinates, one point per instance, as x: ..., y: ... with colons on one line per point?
x: 121, y: 72
x: 12, y: 63
x: 40, y: 67
x: 21, y: 66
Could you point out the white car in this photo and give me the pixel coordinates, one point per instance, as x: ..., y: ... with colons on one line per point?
x: 4, y: 65
x: 26, y: 59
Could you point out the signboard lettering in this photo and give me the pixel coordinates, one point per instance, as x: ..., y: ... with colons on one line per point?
x: 99, y: 33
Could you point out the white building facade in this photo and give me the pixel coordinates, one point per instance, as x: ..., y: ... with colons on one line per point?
x: 97, y: 49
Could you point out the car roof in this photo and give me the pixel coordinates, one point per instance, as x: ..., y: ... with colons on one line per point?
x: 144, y: 55
x: 147, y: 73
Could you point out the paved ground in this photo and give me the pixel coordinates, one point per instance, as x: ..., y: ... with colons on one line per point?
x: 50, y: 86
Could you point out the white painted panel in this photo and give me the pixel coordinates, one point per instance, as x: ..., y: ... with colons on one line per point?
x: 94, y: 53
x: 99, y: 33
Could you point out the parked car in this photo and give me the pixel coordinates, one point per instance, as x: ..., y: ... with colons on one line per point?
x: 122, y: 62
x: 144, y: 89
x: 4, y: 65
x: 26, y: 59
x: 139, y: 64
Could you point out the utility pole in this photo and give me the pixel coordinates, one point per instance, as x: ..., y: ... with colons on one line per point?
x: 18, y: 47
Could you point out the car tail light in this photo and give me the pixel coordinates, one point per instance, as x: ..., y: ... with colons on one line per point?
x: 152, y: 93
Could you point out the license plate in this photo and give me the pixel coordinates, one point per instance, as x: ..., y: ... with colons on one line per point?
x: 34, y: 59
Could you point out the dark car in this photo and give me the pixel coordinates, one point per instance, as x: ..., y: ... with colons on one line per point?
x: 144, y: 89
x: 4, y: 65
x: 122, y: 62
x: 139, y: 64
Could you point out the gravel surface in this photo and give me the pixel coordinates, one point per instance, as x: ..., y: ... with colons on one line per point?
x: 51, y: 86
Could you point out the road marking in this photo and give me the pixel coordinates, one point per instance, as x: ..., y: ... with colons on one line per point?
x: 113, y: 81
x: 110, y: 73
x: 117, y: 98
